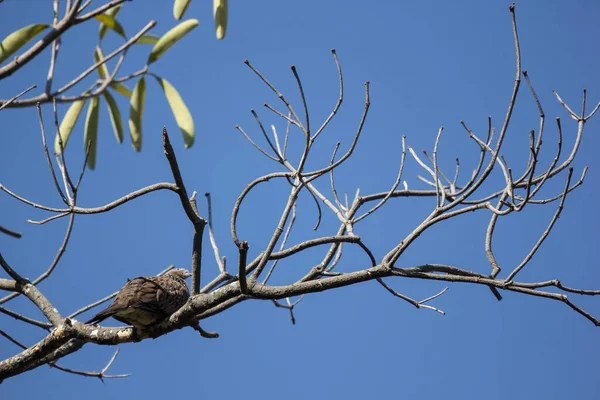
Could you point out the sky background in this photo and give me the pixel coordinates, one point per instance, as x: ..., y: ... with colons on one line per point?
x: 430, y: 63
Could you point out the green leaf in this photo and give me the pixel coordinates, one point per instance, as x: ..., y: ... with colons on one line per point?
x: 147, y: 39
x: 136, y: 111
x: 112, y: 23
x: 111, y: 13
x: 121, y: 89
x: 179, y: 7
x: 220, y: 15
x: 102, y: 69
x: 180, y: 111
x: 67, y: 124
x: 91, y: 131
x: 115, y: 116
x: 170, y: 38
x: 103, y: 72
x: 18, y: 39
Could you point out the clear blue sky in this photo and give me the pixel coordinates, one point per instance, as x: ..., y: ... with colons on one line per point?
x: 430, y: 63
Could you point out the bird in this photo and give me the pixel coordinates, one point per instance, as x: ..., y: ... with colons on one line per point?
x: 147, y: 300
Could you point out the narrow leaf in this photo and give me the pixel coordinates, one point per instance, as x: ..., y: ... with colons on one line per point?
x: 67, y: 124
x: 220, y: 15
x: 136, y: 111
x: 121, y: 89
x: 111, y: 13
x: 91, y: 131
x: 103, y: 72
x: 102, y: 69
x: 179, y: 7
x: 115, y: 116
x: 170, y: 38
x: 112, y: 23
x: 147, y: 39
x: 18, y: 39
x: 180, y: 111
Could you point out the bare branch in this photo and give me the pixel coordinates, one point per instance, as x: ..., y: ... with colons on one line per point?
x: 394, y: 186
x: 31, y: 321
x: 417, y: 304
x: 306, y: 115
x: 243, y: 249
x: 239, y: 128
x: 100, y: 375
x: 48, y: 159
x: 242, y: 196
x: 340, y: 98
x: 281, y: 96
x: 62, y: 164
x: 354, y: 141
x: 283, y: 242
x: 11, y: 100
x: 546, y: 232
x: 203, y: 333
x: 10, y: 232
x: 54, y: 54
x: 562, y: 103
x: 211, y: 235
x: 264, y: 132
x: 332, y: 180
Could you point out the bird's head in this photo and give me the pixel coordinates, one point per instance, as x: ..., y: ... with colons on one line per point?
x: 180, y: 273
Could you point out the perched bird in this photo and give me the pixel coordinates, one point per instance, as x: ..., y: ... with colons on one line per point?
x: 147, y: 300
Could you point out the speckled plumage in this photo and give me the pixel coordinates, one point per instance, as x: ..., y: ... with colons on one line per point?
x: 147, y: 300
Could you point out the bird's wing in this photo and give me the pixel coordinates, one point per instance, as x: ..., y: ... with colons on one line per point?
x: 145, y: 294
x: 156, y: 298
x: 139, y: 293
x: 173, y: 293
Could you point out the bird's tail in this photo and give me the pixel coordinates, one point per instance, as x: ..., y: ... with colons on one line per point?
x: 101, y: 316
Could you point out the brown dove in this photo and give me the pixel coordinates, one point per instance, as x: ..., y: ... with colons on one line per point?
x: 147, y: 300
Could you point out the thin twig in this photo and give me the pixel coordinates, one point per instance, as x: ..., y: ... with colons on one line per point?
x: 100, y: 375
x: 417, y: 304
x: 48, y: 159
x: 11, y: 100
x: 264, y: 132
x: 355, y: 139
x: 85, y: 160
x: 61, y: 250
x: 546, y: 232
x: 203, y: 333
x: 340, y: 98
x: 239, y: 128
x: 211, y: 235
x: 332, y: 180
x: 54, y: 51
x: 299, y: 82
x: 10, y: 232
x: 34, y: 322
x: 283, y: 243
x: 281, y: 96
x: 394, y: 186
x: 62, y: 164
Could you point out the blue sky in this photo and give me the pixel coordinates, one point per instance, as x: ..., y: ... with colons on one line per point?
x: 430, y: 63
